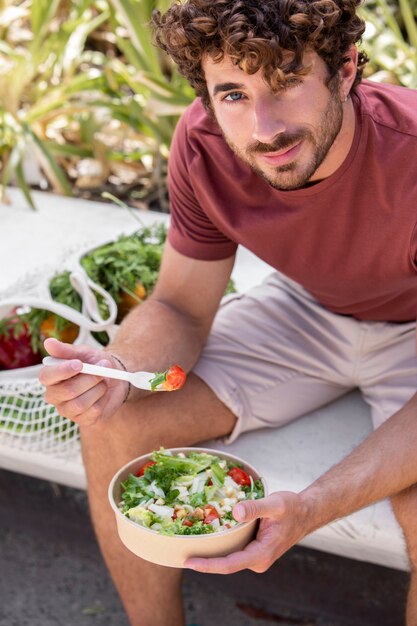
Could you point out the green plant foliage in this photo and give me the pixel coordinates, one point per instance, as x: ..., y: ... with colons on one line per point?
x: 54, y: 76
x: 118, y: 267
x: 391, y: 41
x: 41, y: 51
x: 121, y: 264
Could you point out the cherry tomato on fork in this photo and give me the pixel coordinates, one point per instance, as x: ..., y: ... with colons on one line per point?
x: 175, y: 378
x: 170, y: 380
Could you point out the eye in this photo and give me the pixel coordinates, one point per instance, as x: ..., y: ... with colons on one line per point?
x: 292, y: 82
x: 234, y: 96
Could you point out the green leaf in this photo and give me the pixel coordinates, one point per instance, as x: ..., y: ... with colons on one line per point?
x: 77, y: 39
x: 13, y: 161
x: 24, y: 186
x: 409, y: 22
x: 218, y: 475
x: 68, y: 150
x: 42, y: 12
x: 58, y: 98
x: 135, y: 16
x: 52, y: 170
x: 134, y: 56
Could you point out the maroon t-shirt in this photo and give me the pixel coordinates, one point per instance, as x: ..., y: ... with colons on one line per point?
x: 350, y: 240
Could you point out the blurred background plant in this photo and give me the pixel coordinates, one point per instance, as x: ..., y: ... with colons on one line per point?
x: 391, y: 41
x: 88, y: 104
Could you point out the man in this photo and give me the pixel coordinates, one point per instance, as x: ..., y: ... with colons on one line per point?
x: 289, y: 154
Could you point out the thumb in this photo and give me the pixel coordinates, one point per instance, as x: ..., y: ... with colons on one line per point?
x: 273, y: 506
x: 249, y: 510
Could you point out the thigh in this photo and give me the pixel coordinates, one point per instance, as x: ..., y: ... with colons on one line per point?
x: 275, y: 354
x: 388, y: 372
x: 181, y: 418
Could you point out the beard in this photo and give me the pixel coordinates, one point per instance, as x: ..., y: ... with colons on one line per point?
x: 294, y: 175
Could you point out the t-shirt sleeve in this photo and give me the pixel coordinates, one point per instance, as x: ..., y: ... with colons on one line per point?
x: 191, y: 231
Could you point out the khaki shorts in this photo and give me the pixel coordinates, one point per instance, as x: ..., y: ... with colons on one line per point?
x: 275, y: 354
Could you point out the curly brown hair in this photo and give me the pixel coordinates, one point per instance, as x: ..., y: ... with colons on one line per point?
x: 258, y: 34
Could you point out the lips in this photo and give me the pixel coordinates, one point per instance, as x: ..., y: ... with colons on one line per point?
x: 281, y: 157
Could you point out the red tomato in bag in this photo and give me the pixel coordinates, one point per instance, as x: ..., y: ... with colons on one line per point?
x: 17, y: 351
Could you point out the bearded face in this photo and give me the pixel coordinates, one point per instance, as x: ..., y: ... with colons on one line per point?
x: 290, y: 138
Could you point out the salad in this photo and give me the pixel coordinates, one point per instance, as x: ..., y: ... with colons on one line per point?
x: 193, y: 494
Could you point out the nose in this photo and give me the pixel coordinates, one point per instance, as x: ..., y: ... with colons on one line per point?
x: 268, y: 122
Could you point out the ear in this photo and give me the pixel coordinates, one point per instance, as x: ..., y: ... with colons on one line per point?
x: 347, y: 72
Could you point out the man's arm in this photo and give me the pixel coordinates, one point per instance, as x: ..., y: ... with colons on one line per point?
x: 170, y: 327
x: 382, y: 466
x: 173, y: 324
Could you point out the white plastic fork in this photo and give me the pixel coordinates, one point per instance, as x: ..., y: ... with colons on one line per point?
x: 141, y: 380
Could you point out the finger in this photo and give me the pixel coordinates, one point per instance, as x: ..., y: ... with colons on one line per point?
x: 90, y: 417
x: 248, y: 558
x: 67, y: 389
x: 62, y: 350
x: 53, y: 374
x: 80, y: 407
x: 273, y: 506
x: 70, y: 366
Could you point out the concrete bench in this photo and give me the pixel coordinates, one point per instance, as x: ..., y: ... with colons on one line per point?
x: 289, y: 458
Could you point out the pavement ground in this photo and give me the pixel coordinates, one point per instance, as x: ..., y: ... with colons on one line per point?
x: 52, y: 574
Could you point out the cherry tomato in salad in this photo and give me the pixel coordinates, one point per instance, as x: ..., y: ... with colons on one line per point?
x: 188, y: 522
x: 210, y: 514
x: 239, y: 476
x: 145, y: 467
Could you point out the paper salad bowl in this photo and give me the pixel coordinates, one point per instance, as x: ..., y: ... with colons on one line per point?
x: 174, y: 550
